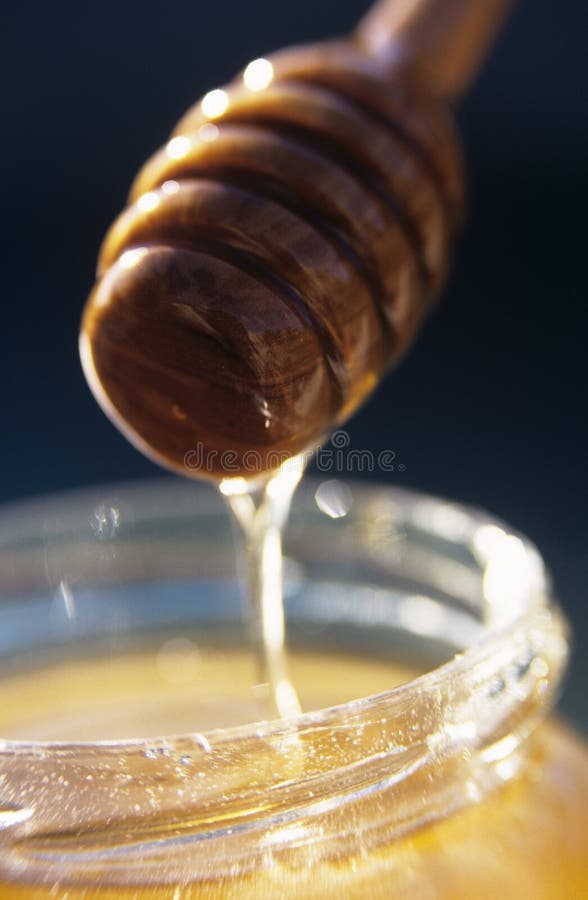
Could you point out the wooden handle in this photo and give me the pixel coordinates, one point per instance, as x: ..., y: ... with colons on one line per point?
x: 282, y: 250
x: 444, y: 41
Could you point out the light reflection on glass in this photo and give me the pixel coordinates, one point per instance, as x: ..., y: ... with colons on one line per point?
x: 539, y: 668
x: 105, y: 521
x: 422, y: 615
x: 287, y: 834
x: 334, y: 498
x: 501, y: 749
x: 65, y: 595
x: 443, y: 519
x: 488, y: 540
x: 507, y: 577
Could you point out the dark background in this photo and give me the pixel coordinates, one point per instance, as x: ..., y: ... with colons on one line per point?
x: 490, y: 406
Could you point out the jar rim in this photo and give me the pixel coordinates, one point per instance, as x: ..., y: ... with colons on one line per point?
x: 496, y: 545
x: 462, y: 724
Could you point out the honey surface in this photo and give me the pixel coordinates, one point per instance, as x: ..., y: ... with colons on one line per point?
x: 177, y: 688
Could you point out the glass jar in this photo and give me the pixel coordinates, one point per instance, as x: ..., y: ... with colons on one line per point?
x: 428, y: 651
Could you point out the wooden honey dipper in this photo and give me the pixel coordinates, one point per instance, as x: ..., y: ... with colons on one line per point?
x: 282, y: 250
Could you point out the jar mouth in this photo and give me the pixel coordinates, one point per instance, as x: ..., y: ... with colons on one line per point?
x: 374, y: 560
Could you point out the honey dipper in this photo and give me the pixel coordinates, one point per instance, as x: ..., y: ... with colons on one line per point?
x: 282, y: 250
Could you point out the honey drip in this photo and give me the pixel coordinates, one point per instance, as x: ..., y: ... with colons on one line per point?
x: 260, y: 513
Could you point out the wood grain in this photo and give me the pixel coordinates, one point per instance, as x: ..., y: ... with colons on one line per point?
x: 278, y: 258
